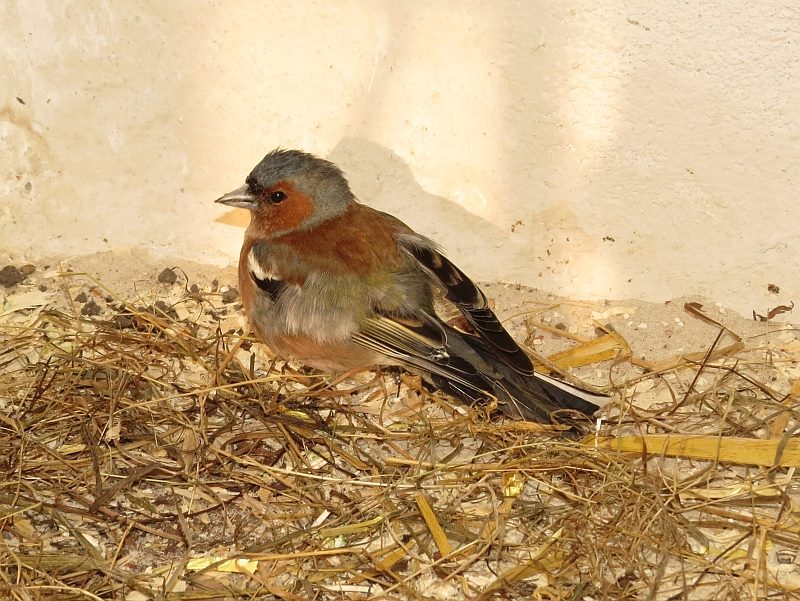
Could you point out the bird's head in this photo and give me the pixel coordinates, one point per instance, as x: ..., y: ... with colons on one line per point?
x: 291, y: 190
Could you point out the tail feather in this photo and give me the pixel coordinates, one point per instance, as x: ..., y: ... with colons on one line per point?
x: 542, y: 400
x: 535, y: 397
x: 538, y: 398
x: 543, y: 396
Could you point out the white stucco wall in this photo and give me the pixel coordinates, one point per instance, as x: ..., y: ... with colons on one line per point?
x: 609, y: 149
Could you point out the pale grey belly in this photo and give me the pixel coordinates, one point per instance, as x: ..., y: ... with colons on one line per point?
x: 325, y: 318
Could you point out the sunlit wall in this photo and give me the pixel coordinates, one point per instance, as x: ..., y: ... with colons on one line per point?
x: 595, y: 149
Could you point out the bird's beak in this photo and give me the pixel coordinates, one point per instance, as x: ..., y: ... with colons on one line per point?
x: 240, y: 198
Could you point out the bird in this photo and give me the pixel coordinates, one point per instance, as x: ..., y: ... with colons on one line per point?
x: 341, y: 286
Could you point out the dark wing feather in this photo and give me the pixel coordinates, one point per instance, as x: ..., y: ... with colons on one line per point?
x: 508, y: 373
x: 463, y: 292
x: 460, y: 365
x: 420, y: 345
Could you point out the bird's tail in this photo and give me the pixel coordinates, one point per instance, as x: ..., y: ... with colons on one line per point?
x: 532, y: 395
x: 538, y: 398
x: 474, y: 370
x: 545, y: 399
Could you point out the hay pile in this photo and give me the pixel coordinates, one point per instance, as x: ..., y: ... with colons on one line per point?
x: 150, y: 450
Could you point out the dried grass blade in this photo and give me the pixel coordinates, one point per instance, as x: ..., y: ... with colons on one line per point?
x: 745, y: 451
x: 606, y: 347
x: 436, y: 530
x: 532, y: 567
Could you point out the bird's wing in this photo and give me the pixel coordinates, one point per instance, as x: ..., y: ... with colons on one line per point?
x: 420, y: 343
x: 471, y: 366
x: 462, y: 292
x: 450, y: 361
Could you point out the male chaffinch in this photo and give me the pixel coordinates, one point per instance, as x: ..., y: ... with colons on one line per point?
x: 341, y: 286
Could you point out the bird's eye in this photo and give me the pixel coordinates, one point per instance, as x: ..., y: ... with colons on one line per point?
x: 277, y: 197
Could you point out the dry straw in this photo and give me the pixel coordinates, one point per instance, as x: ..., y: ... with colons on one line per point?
x: 153, y: 451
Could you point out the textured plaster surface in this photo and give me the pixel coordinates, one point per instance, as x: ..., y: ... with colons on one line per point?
x: 593, y: 149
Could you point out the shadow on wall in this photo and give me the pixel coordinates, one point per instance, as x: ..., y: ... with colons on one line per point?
x: 381, y: 179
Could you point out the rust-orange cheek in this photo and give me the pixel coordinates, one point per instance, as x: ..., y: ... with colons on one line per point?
x: 289, y: 214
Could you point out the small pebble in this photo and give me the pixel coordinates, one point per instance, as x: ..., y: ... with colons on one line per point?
x: 785, y: 556
x: 194, y: 289
x: 166, y: 309
x: 91, y: 309
x: 10, y: 276
x: 81, y: 298
x: 123, y: 322
x: 27, y: 269
x: 230, y: 295
x: 642, y: 326
x: 167, y: 276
